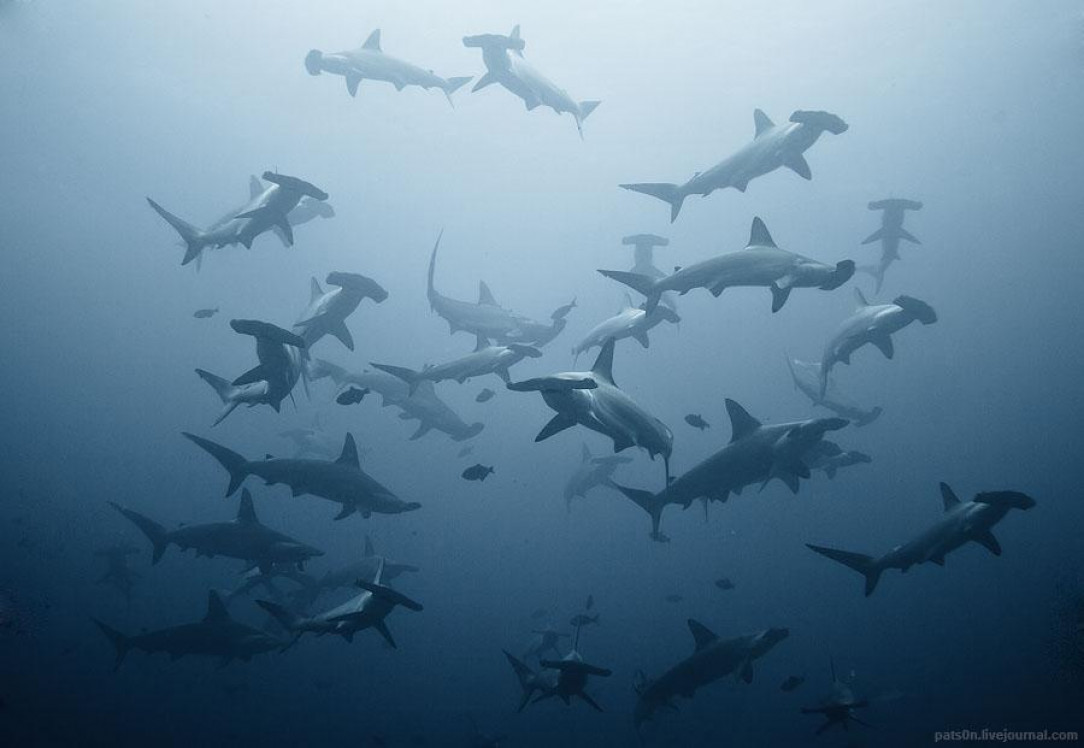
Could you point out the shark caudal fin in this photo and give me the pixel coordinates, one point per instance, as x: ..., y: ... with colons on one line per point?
x: 121, y: 642
x: 155, y: 533
x: 225, y: 391
x: 409, y: 376
x: 193, y: 237
x: 452, y: 85
x: 235, y: 464
x: 665, y: 191
x: 865, y: 565
x: 647, y: 501
x: 642, y: 284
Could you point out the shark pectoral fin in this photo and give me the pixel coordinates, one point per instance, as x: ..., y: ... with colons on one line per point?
x: 642, y: 339
x: 799, y: 166
x: 382, y: 627
x: 884, y: 345
x: 939, y: 560
x: 780, y: 294
x: 875, y: 236
x: 905, y: 234
x: 989, y: 542
x: 558, y: 423
x: 593, y: 704
x: 277, y: 231
x: 341, y: 332
x: 423, y: 429
x: 352, y: 83
x: 717, y: 290
x: 282, y: 223
x: 259, y: 373
x: 486, y: 80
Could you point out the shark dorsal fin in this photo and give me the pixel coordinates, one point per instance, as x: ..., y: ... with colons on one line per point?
x: 604, y: 364
x: 246, y: 512
x: 702, y: 635
x: 628, y: 302
x: 369, y: 550
x: 481, y: 342
x: 349, y: 454
x: 759, y: 236
x: 585, y: 453
x: 860, y: 298
x: 741, y: 423
x: 378, y: 578
x: 216, y: 609
x: 373, y: 42
x: 761, y: 122
x: 255, y: 187
x: 315, y: 291
x: 485, y: 296
x: 949, y: 497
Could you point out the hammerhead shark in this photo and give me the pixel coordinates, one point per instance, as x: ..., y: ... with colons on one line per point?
x: 422, y: 404
x: 485, y: 359
x: 592, y: 399
x: 265, y: 211
x: 872, y: 324
x: 962, y: 522
x: 489, y: 319
x: 761, y: 264
x: 756, y: 454
x: 217, y: 635
x: 370, y: 62
x: 282, y: 362
x: 631, y: 322
x: 839, y: 708
x: 366, y: 610
x: 807, y: 377
x: 713, y: 658
x: 890, y: 234
x: 773, y: 146
x: 592, y: 472
x: 513, y: 73
x: 327, y: 312
x: 244, y: 538
x: 342, y: 481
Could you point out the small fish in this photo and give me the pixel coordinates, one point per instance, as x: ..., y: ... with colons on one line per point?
x: 205, y: 313
x: 477, y: 472
x: 724, y: 583
x: 582, y: 619
x: 352, y: 395
x: 674, y: 598
x: 792, y: 683
x: 485, y: 396
x: 465, y: 451
x: 694, y: 420
x: 563, y: 311
x: 539, y: 613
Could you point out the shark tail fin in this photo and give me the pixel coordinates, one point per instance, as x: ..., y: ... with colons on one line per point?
x: 451, y: 85
x: 665, y: 191
x: 409, y: 376
x: 193, y: 237
x: 642, y: 284
x: 863, y: 564
x: 121, y: 643
x: 235, y: 464
x: 155, y: 533
x: 646, y: 501
x: 225, y: 391
x: 288, y: 619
